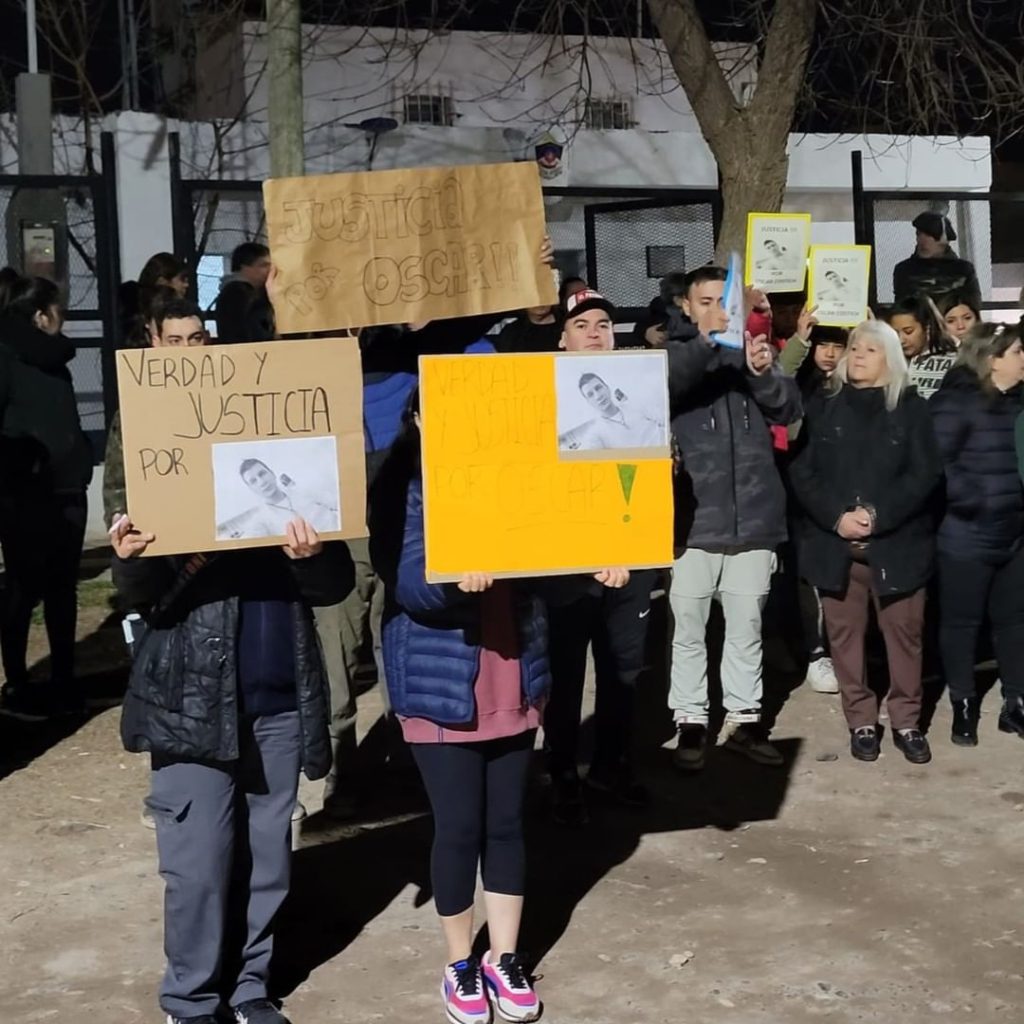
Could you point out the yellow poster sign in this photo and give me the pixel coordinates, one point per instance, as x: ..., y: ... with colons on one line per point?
x: 388, y: 247
x: 545, y: 464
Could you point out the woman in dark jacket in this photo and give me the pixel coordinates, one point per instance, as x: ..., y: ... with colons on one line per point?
x: 865, y: 477
x: 45, y: 467
x: 981, y: 537
x: 467, y: 673
x: 228, y: 696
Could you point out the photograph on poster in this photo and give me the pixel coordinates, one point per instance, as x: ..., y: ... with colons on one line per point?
x: 261, y: 486
x: 838, y: 283
x: 612, y: 402
x: 776, y: 257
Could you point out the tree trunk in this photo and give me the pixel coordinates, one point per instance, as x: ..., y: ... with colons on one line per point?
x: 753, y: 172
x: 748, y: 142
x: 284, y: 64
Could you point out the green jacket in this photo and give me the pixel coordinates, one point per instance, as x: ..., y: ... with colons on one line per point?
x: 115, y: 500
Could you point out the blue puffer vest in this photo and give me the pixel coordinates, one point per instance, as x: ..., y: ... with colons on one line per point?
x: 431, y: 653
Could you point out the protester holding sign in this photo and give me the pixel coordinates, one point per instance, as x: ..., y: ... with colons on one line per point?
x: 730, y: 512
x: 467, y: 672
x: 615, y: 622
x: 228, y: 696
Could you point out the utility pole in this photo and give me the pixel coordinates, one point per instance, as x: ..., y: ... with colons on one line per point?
x: 284, y: 52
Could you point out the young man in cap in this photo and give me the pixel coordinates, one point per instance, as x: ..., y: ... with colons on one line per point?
x: 934, y: 269
x: 614, y: 621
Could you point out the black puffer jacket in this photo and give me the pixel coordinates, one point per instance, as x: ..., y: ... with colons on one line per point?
x: 936, y: 277
x: 42, y: 446
x: 984, y: 517
x: 853, y: 451
x: 728, y: 491
x: 183, y: 699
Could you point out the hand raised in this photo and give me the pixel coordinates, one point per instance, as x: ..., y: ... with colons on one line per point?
x: 127, y: 541
x: 303, y: 540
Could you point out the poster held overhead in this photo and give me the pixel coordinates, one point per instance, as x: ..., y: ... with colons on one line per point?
x: 224, y: 445
x: 838, y: 283
x: 500, y: 497
x: 776, y: 257
x: 387, y: 247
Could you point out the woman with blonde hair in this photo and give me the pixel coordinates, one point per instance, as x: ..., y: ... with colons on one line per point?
x: 981, y: 536
x: 865, y: 475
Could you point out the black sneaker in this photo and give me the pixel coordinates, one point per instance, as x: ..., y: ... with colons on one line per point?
x: 692, y: 748
x: 259, y: 1011
x: 864, y: 743
x: 567, y: 806
x: 751, y: 740
x: 913, y: 745
x: 619, y: 784
x: 206, y: 1018
x: 1011, y: 718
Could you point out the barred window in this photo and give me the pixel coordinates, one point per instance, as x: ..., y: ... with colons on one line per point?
x: 425, y: 108
x: 605, y: 115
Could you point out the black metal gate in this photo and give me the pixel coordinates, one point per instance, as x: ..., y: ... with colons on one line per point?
x: 987, y: 224
x: 632, y: 244
x: 87, y: 208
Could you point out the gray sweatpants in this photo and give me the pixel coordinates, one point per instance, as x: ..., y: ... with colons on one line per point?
x: 740, y: 580
x: 224, y: 839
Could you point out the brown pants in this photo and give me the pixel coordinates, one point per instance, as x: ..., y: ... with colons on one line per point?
x: 901, y: 620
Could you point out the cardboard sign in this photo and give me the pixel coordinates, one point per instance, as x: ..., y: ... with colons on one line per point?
x: 838, y: 283
x: 226, y: 444
x: 777, y: 250
x: 389, y: 247
x: 521, y: 479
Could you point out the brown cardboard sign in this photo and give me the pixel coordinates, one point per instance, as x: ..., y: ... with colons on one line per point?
x: 389, y: 247
x: 226, y: 444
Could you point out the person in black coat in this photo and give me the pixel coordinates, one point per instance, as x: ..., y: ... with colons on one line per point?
x: 934, y: 269
x: 229, y: 697
x: 45, y: 467
x: 243, y: 311
x: 981, y: 537
x: 865, y: 475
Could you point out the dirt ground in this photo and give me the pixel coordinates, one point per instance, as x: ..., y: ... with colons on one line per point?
x: 826, y: 890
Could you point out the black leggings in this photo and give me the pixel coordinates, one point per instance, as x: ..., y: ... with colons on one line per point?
x: 476, y: 793
x: 970, y: 591
x: 42, y: 547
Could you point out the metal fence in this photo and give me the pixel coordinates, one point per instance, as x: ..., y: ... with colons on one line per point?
x: 85, y: 208
x: 884, y: 220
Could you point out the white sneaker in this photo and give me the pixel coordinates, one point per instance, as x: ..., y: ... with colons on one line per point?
x: 821, y: 676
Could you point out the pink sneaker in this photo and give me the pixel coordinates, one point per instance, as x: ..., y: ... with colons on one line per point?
x: 462, y: 989
x: 509, y: 988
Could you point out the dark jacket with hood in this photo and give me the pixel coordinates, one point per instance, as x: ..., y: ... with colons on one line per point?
x: 43, y: 449
x: 243, y: 312
x: 853, y: 451
x: 984, y: 518
x: 728, y: 491
x: 238, y: 637
x: 936, y: 277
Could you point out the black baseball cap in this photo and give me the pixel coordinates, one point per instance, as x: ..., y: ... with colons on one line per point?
x: 934, y: 225
x: 584, y: 301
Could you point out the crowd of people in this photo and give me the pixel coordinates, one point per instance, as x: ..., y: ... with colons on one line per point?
x: 817, y: 470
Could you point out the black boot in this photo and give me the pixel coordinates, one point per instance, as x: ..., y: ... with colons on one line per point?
x: 1011, y: 718
x: 965, y: 722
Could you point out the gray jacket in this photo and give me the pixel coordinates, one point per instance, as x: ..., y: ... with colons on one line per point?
x: 728, y: 490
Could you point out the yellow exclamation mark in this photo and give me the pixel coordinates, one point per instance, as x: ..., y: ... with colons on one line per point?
x: 627, y: 475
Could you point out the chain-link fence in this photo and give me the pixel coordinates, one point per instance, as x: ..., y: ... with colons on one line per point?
x: 989, y: 229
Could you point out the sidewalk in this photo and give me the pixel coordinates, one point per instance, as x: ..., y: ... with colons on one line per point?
x: 829, y: 890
